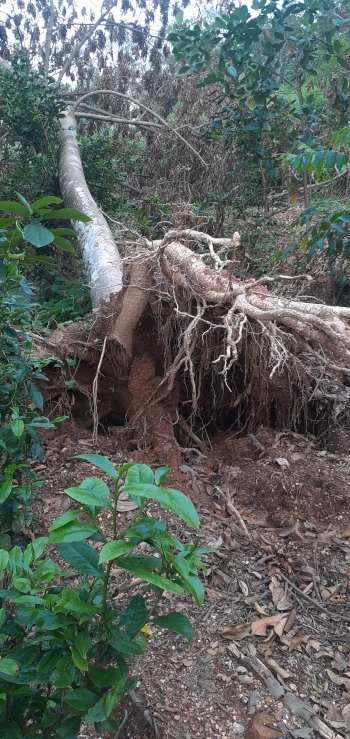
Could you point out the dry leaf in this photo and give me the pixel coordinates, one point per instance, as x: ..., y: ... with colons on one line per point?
x: 338, y: 679
x: 282, y: 462
x: 279, y: 597
x: 278, y: 621
x: 146, y: 630
x: 261, y: 727
x: 346, y: 533
x: 244, y: 588
x: 346, y: 716
x: 294, y: 641
x: 236, y: 631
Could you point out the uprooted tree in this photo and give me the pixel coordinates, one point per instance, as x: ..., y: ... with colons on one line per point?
x: 176, y: 343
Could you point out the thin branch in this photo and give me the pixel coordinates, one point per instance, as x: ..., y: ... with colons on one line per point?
x: 315, y: 186
x: 145, y: 107
x: 114, y: 119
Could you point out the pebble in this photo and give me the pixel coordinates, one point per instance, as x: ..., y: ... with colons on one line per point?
x: 237, y: 729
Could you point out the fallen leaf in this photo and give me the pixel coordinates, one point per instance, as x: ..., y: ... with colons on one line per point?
x: 346, y: 533
x: 334, y: 713
x: 236, y: 631
x: 294, y: 641
x: 261, y: 727
x: 282, y: 461
x: 346, y: 716
x: 338, y: 679
x: 279, y: 597
x: 146, y: 630
x: 278, y: 622
x: 244, y: 587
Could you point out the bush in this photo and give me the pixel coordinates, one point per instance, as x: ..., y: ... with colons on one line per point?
x: 22, y: 233
x: 66, y: 647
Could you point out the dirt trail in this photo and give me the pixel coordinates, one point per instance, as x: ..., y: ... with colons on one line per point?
x: 275, y: 507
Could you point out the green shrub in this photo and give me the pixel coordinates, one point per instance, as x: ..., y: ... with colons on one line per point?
x: 22, y: 234
x: 66, y: 646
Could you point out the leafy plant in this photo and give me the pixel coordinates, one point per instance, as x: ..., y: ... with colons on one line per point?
x: 22, y: 232
x: 65, y: 647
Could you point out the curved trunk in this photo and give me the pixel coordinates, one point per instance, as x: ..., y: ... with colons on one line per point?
x: 98, y: 248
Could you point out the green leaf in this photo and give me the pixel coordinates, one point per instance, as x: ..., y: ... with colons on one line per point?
x: 96, y: 713
x: 35, y: 396
x: 192, y: 583
x: 64, y: 245
x: 145, y: 529
x: 65, y: 214
x: 36, y: 548
x: 45, y: 201
x: 5, y: 489
x: 91, y: 492
x: 139, y: 474
x: 103, y: 463
x: 114, y: 549
x: 64, y: 673
x: 4, y: 559
x: 135, y: 615
x: 140, y: 571
x: 22, y: 584
x: 71, y: 603
x: 17, y: 427
x: 37, y: 234
x: 64, y: 519
x: 123, y: 644
x: 104, y: 677
x: 80, y: 699
x: 10, y: 206
x: 161, y: 475
x: 171, y: 500
x: 8, y: 667
x: 81, y: 556
x: 24, y: 202
x: 177, y: 622
x: 74, y: 531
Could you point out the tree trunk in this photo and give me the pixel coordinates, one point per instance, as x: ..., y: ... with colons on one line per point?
x: 98, y: 249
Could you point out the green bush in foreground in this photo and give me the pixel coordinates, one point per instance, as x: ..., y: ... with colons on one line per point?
x: 66, y: 644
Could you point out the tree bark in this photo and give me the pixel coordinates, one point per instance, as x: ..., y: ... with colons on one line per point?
x: 99, y: 251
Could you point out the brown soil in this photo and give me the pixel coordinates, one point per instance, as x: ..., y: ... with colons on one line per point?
x: 293, y: 498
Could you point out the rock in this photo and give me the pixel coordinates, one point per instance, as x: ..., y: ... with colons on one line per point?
x: 237, y: 729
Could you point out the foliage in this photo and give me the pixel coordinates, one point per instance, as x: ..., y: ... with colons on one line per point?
x: 151, y: 214
x: 30, y: 104
x: 65, y: 647
x: 252, y: 56
x: 62, y: 300
x: 327, y: 232
x: 21, y: 402
x: 108, y: 160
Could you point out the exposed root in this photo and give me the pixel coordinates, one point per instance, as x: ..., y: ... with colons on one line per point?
x: 212, y: 349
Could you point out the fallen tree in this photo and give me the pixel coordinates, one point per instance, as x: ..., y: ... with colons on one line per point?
x: 179, y: 346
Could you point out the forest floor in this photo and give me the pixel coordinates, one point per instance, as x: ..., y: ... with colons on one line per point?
x: 271, y: 650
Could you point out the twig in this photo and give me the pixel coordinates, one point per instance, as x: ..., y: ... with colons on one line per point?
x: 94, y: 392
x: 314, y: 603
x: 126, y: 715
x: 231, y: 508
